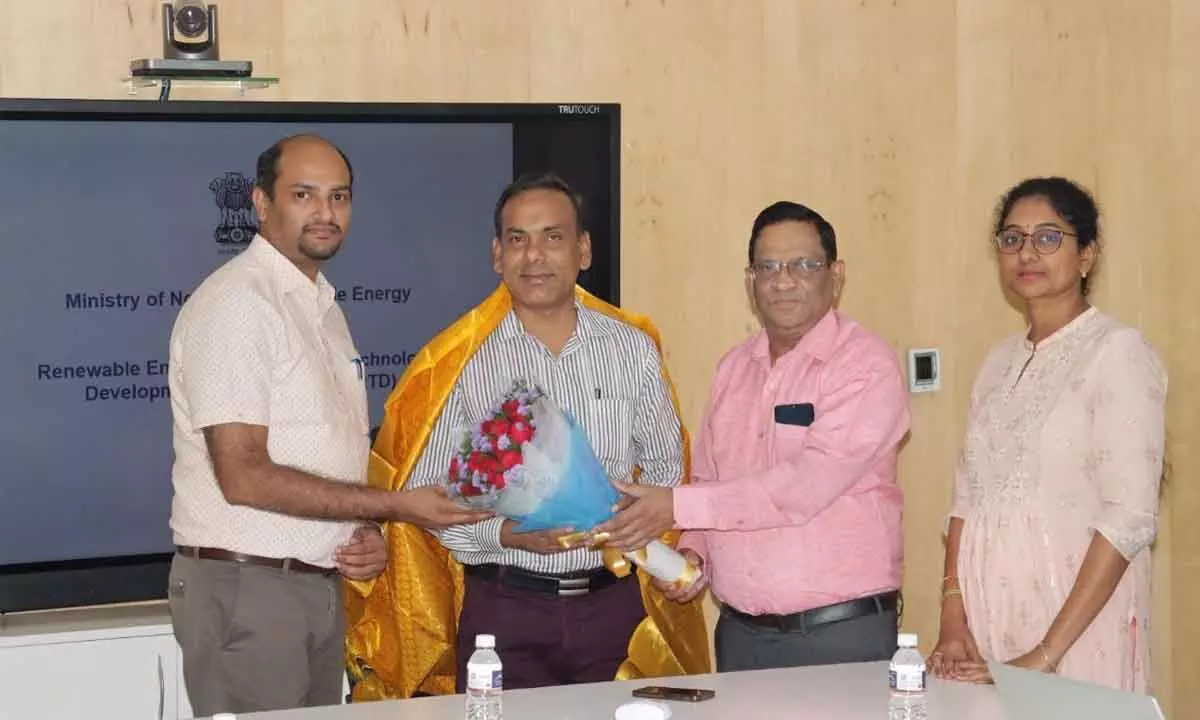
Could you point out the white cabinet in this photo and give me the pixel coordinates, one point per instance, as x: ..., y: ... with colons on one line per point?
x: 118, y: 662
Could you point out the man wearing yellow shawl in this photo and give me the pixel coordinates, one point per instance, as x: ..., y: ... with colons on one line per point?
x: 559, y: 615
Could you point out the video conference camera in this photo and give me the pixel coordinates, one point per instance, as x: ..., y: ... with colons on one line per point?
x: 190, y: 45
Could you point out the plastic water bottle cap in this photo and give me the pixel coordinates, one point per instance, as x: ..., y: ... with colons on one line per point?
x: 485, y: 641
x: 642, y: 710
x: 907, y: 640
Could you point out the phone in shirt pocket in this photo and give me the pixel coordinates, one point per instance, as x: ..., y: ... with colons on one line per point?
x: 791, y: 427
x: 795, y: 415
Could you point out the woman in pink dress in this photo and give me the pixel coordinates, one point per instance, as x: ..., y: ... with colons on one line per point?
x: 1056, y: 495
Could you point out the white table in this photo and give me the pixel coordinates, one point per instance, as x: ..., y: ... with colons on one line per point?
x: 835, y: 692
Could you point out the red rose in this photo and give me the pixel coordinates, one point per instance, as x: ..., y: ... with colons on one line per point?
x: 476, y: 461
x: 496, y: 479
x: 499, y: 427
x: 500, y: 482
x: 454, y: 465
x: 521, y: 432
x: 510, y: 409
x: 470, y: 490
x: 509, y: 458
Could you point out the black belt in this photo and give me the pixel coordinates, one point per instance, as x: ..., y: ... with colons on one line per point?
x: 565, y: 585
x: 808, y: 619
x: 286, y: 564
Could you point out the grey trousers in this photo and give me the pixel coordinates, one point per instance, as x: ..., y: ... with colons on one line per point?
x: 256, y: 638
x: 743, y: 646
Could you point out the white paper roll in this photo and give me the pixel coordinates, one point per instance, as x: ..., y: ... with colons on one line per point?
x: 665, y: 563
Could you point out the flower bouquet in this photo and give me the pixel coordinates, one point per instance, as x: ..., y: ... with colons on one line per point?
x: 529, y: 461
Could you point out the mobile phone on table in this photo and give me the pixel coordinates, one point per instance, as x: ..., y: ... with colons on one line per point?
x: 660, y: 692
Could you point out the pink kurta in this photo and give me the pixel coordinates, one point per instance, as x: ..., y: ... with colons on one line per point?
x: 1063, y: 440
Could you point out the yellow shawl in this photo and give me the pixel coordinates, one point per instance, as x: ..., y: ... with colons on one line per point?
x: 402, y: 626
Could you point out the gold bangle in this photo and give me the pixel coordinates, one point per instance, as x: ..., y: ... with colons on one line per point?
x: 951, y: 592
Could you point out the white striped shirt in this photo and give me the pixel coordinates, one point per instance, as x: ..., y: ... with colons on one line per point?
x: 608, y: 376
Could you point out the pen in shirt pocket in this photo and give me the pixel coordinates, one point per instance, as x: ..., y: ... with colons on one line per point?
x: 358, y: 366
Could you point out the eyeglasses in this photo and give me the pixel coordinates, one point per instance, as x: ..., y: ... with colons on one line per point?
x: 1045, y: 240
x: 799, y: 267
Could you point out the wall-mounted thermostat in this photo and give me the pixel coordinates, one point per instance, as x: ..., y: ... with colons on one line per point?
x: 924, y: 370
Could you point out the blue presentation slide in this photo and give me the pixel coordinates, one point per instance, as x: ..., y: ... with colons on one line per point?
x: 107, y: 229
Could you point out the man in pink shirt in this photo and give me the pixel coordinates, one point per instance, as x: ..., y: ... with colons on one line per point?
x: 793, y: 512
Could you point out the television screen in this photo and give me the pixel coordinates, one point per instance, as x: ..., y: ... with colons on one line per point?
x: 113, y: 212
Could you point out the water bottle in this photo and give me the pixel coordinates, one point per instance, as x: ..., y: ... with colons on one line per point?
x: 484, y: 680
x: 906, y: 676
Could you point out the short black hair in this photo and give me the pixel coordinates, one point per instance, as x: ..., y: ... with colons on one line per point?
x: 1069, y: 199
x: 539, y: 181
x: 267, y: 171
x: 787, y: 211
